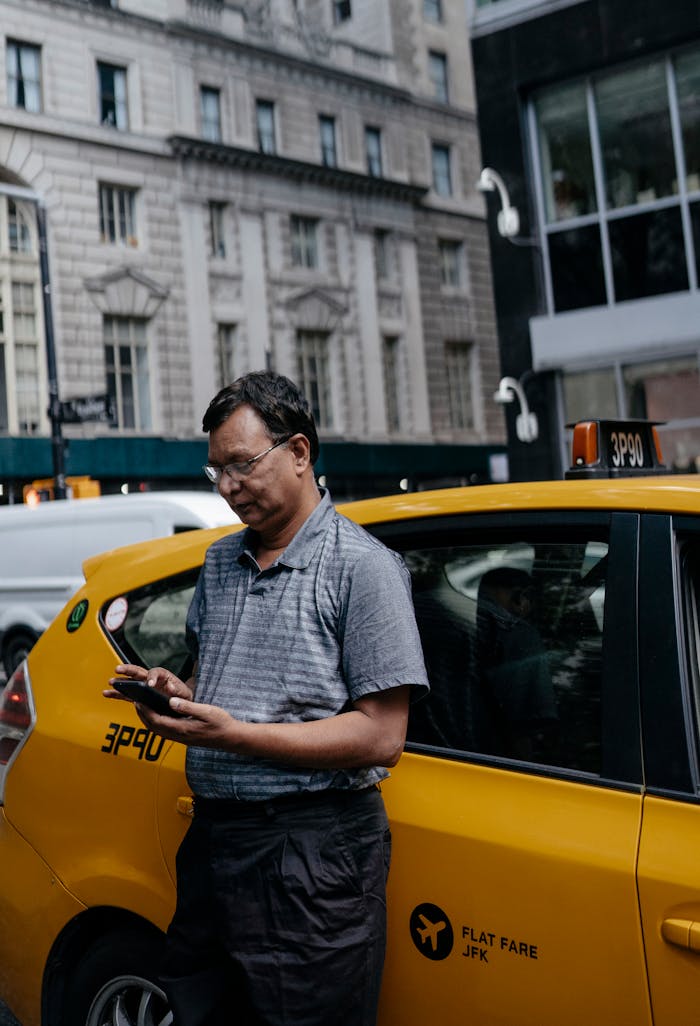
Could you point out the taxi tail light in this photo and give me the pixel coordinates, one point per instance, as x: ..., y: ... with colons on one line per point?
x: 584, y: 447
x: 16, y: 719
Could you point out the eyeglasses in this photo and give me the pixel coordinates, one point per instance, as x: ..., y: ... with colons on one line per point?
x: 235, y: 470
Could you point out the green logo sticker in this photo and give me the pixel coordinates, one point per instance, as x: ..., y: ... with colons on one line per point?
x: 77, y: 615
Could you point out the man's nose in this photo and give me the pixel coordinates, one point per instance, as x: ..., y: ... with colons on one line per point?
x: 230, y: 485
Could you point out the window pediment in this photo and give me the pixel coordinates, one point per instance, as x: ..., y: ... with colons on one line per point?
x: 315, y: 310
x: 126, y: 293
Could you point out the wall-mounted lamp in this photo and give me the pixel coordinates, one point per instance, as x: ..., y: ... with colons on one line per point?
x: 508, y: 220
x: 526, y: 427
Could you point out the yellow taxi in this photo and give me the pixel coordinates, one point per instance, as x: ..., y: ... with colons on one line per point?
x: 545, y: 814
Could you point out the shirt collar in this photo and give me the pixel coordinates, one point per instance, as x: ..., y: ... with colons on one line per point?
x: 303, y: 545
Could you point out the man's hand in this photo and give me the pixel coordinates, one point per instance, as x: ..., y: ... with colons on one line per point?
x: 158, y: 678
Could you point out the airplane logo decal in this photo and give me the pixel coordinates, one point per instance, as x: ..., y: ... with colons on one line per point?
x: 431, y: 931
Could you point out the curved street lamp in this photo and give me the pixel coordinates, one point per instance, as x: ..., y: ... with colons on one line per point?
x: 526, y: 426
x: 508, y: 219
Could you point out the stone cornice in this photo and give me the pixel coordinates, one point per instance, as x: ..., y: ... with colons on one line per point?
x: 188, y: 148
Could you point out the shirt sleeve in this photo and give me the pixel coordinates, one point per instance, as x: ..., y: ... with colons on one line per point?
x: 381, y: 646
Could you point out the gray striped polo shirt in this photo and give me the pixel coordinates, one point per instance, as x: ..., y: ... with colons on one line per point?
x: 331, y: 621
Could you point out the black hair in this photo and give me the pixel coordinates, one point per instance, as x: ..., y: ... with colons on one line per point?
x: 279, y: 403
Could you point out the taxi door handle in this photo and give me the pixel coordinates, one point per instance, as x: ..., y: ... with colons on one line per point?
x: 185, y: 805
x: 684, y: 933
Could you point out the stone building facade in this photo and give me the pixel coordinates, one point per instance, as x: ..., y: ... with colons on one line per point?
x: 230, y: 186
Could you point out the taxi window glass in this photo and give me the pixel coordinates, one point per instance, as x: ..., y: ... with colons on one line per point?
x: 690, y: 564
x: 152, y: 632
x: 512, y: 636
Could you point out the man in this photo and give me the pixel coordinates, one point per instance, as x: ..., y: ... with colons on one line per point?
x: 518, y: 705
x: 306, y: 646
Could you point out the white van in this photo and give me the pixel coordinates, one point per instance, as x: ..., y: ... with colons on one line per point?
x: 42, y: 549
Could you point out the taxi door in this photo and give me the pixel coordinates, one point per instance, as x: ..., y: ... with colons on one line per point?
x: 512, y: 890
x: 669, y: 859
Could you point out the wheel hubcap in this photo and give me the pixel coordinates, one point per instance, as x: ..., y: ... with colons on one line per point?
x: 130, y: 1001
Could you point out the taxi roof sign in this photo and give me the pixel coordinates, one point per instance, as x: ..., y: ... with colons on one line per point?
x: 615, y: 448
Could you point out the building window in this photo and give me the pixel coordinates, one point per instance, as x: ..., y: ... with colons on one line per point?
x: 442, y: 173
x: 26, y: 353
x: 22, y: 364
x: 265, y: 114
x: 111, y: 85
x: 24, y: 76
x: 117, y: 215
x: 390, y: 360
x: 4, y: 406
x: 313, y: 375
x: 226, y: 352
x: 19, y: 230
x: 382, y: 254
x: 126, y: 367
x: 210, y: 113
x: 432, y: 10
x: 451, y: 263
x: 329, y: 152
x: 373, y: 151
x: 437, y: 70
x: 459, y: 360
x: 342, y: 11
x: 618, y: 161
x: 217, y: 229
x: 304, y: 245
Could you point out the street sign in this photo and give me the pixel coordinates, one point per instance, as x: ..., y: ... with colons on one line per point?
x: 88, y: 407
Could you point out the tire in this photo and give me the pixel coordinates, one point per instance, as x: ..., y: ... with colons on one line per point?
x: 15, y: 648
x: 114, y: 983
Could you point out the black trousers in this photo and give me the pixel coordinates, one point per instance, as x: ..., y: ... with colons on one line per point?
x: 281, y: 913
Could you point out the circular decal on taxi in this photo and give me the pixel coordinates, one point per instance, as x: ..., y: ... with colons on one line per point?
x: 116, y: 613
x: 77, y: 615
x: 431, y: 931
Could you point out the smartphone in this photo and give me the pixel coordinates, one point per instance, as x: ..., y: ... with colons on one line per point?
x: 137, y: 691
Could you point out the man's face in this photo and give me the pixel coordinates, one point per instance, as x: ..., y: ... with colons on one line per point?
x: 266, y: 497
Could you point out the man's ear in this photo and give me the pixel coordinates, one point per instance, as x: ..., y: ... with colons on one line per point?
x: 301, y: 450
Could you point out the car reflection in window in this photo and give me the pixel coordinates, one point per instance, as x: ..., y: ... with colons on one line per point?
x: 515, y: 677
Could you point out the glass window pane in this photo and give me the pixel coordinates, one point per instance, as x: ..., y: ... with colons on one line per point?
x: 266, y: 126
x: 437, y: 70
x: 565, y: 153
x: 210, y: 114
x: 442, y: 173
x: 590, y: 394
x: 663, y: 389
x: 144, y: 396
x: 695, y: 223
x: 635, y: 136
x: 688, y: 87
x: 459, y: 361
x: 512, y: 635
x: 648, y: 254
x: 329, y: 156
x: 373, y: 148
x: 576, y: 264
x: 4, y: 408
x: 390, y: 352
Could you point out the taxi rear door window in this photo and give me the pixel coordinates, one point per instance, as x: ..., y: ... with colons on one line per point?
x: 512, y: 632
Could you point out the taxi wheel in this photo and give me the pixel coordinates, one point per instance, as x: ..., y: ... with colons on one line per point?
x: 114, y: 984
x: 15, y: 649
